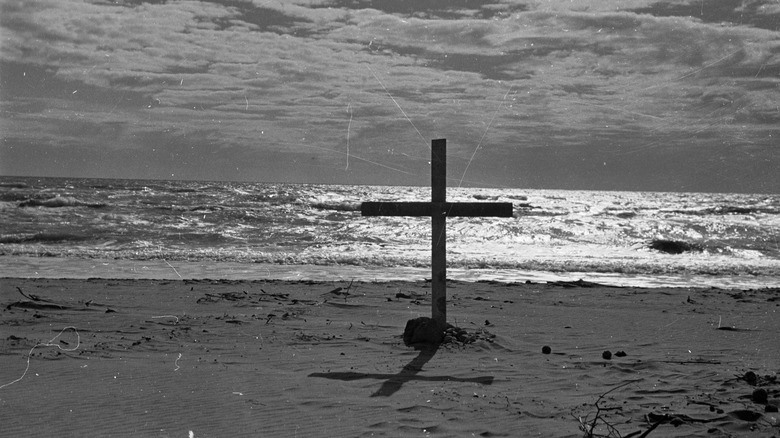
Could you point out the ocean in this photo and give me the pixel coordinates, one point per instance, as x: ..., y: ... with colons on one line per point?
x: 111, y: 228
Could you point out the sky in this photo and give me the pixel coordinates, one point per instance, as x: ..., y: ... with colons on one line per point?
x: 632, y: 95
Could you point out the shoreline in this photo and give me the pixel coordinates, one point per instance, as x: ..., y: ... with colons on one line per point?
x: 161, y: 269
x: 278, y: 358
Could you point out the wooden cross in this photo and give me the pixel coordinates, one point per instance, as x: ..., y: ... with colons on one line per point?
x: 438, y: 209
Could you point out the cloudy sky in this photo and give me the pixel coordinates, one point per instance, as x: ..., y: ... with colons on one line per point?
x: 676, y: 95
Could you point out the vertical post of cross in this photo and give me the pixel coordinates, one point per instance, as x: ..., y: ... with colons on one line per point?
x: 439, y: 231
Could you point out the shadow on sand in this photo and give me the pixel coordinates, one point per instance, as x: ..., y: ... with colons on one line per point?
x: 394, y: 382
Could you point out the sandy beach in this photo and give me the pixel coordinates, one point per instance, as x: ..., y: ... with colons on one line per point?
x: 217, y: 358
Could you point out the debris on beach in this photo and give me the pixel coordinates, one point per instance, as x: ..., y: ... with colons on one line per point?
x: 425, y: 330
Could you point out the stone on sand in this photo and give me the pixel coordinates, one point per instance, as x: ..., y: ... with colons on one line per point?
x: 423, y: 330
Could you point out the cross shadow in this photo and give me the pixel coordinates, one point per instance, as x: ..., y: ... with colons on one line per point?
x: 394, y: 382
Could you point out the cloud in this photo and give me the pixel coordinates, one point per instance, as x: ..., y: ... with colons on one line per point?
x: 621, y: 79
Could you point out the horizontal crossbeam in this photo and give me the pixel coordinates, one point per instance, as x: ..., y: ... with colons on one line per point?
x: 449, y: 209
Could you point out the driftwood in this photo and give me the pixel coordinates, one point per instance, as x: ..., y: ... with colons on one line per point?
x: 35, y: 302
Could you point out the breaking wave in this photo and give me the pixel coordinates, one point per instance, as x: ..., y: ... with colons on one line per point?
x: 60, y: 201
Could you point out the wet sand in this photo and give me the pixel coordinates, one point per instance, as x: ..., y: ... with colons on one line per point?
x: 216, y: 358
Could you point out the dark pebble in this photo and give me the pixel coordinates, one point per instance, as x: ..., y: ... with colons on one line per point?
x: 607, y: 355
x: 621, y: 354
x: 760, y: 396
x: 546, y: 349
x: 751, y: 378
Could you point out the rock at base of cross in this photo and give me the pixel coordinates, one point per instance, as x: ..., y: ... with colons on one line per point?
x: 424, y: 330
